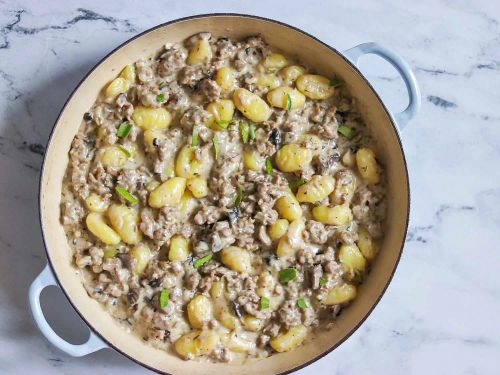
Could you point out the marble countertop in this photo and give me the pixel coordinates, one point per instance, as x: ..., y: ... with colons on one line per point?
x: 440, y: 315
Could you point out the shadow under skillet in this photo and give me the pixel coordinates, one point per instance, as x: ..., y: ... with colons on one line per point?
x: 27, y: 123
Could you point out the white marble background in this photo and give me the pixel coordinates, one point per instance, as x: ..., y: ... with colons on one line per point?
x: 441, y: 313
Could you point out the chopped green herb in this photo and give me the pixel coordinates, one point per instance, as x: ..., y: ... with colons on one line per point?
x: 288, y: 102
x: 201, y: 261
x: 296, y: 183
x: 239, y: 197
x: 164, y: 297
x: 335, y: 82
x: 264, y: 302
x: 160, y: 98
x: 251, y: 132
x: 223, y: 123
x: 302, y: 303
x: 110, y: 253
x: 215, y: 141
x: 322, y: 281
x: 273, y: 70
x: 269, y: 167
x: 194, y: 139
x: 124, y: 129
x: 127, y: 153
x: 287, y: 274
x: 244, y: 131
x: 346, y: 131
x: 122, y: 192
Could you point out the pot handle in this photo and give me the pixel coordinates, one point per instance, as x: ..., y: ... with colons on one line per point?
x: 403, y: 69
x: 45, y: 279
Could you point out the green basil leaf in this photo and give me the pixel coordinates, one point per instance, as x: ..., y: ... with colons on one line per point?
x: 127, y: 153
x: 296, y: 183
x: 302, y: 303
x: 124, y: 129
x: 322, y: 281
x: 215, y: 142
x: 335, y: 82
x: 223, y: 123
x: 346, y: 131
x: 126, y: 195
x: 195, y: 142
x: 264, y: 302
x: 244, y: 131
x: 201, y: 261
x: 160, y: 98
x: 251, y: 132
x: 269, y: 167
x: 286, y: 275
x: 288, y: 102
x: 164, y: 297
x: 239, y: 197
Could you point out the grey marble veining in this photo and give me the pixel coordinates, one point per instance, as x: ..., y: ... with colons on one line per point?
x: 440, y: 315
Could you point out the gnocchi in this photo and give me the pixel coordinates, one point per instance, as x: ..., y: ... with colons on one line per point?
x: 251, y: 105
x: 293, y: 158
x: 221, y: 198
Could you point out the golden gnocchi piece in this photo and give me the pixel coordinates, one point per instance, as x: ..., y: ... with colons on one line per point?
x: 278, y: 229
x: 316, y: 189
x: 288, y: 207
x: 286, y: 97
x: 340, y: 294
x: 221, y: 114
x: 188, y: 203
x: 198, y: 186
x: 313, y: 143
x: 225, y: 78
x: 114, y: 157
x: 117, y: 86
x: 152, y: 136
x: 366, y: 245
x: 179, y: 248
x: 251, y: 106
x: 224, y: 315
x: 253, y: 324
x: 349, y: 159
x: 151, y: 118
x: 237, y: 343
x: 128, y: 73
x: 290, y: 339
x: 142, y: 255
x: 252, y: 160
x: 315, y: 86
x: 99, y: 228
x: 290, y: 73
x: 125, y: 221
x: 186, y: 164
x: 200, y: 53
x: 293, y: 158
x: 199, y: 311
x: 293, y: 239
x: 218, y: 289
x: 275, y: 61
x: 352, y: 261
x: 197, y: 343
x: 367, y: 165
x: 267, y: 81
x: 96, y: 203
x: 344, y: 188
x: 237, y: 259
x: 337, y: 215
x: 168, y: 194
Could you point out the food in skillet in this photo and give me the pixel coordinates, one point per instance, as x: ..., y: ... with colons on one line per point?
x: 223, y: 200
